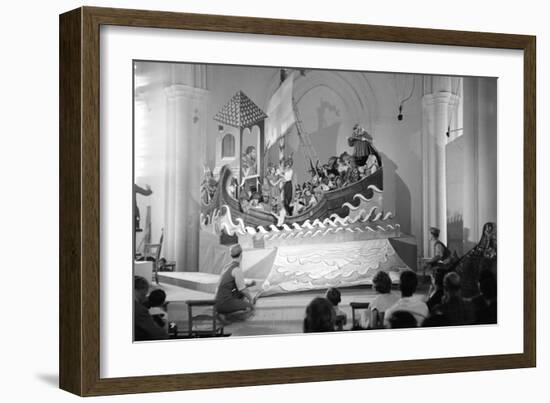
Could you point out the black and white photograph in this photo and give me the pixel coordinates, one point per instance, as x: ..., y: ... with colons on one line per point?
x: 273, y: 200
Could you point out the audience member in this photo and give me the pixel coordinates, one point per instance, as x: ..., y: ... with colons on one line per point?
x: 408, y: 282
x: 319, y: 316
x: 384, y: 299
x: 157, y: 307
x: 402, y: 320
x: 145, y: 327
x: 455, y: 309
x: 435, y: 320
x: 334, y: 296
x: 485, y: 304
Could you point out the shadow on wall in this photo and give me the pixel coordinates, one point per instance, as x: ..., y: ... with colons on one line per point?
x: 455, y: 233
x: 458, y: 237
x: 403, y: 205
x: 467, y: 243
x: 397, y: 196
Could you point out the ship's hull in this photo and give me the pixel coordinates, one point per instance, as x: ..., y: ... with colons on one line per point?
x: 331, y: 202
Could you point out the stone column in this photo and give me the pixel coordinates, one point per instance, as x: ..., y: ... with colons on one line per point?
x: 487, y: 145
x: 437, y: 101
x: 186, y: 131
x: 470, y: 198
x: 480, y: 156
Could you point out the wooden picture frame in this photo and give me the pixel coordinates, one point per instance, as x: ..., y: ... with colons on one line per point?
x: 80, y: 200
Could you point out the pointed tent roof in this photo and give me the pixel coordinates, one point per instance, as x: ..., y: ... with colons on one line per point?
x: 240, y: 111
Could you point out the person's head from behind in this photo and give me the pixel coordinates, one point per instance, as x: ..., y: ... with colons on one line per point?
x: 382, y: 282
x: 437, y: 319
x: 407, y: 283
x: 487, y: 284
x: 402, y: 320
x: 157, y: 298
x: 334, y: 296
x: 451, y: 284
x: 236, y: 252
x: 319, y: 316
x: 437, y: 276
x: 141, y: 288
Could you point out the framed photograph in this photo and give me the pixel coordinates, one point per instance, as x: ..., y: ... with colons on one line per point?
x: 249, y: 201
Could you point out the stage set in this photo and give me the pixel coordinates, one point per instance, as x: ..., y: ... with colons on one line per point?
x: 324, y: 178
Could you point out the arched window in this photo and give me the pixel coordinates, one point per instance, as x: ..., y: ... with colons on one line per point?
x: 228, y: 146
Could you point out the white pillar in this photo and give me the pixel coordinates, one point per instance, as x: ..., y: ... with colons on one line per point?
x: 437, y: 101
x: 186, y: 132
x: 470, y: 198
x: 480, y: 153
x: 487, y: 143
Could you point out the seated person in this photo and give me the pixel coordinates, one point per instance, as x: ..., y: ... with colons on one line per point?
x: 342, y: 167
x: 485, y: 304
x: 298, y: 204
x: 334, y: 296
x: 233, y: 299
x: 310, y: 199
x: 319, y: 316
x: 145, y: 328
x: 331, y: 181
x: 408, y: 282
x: 157, y: 307
x: 435, y: 320
x: 245, y: 201
x: 455, y: 309
x: 402, y: 320
x: 255, y: 201
x: 384, y: 299
x: 325, y: 184
x: 354, y: 176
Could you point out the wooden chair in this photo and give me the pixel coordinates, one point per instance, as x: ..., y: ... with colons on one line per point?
x: 357, y: 306
x: 152, y: 253
x: 216, y: 328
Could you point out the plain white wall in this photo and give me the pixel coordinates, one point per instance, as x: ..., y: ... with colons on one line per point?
x: 29, y: 169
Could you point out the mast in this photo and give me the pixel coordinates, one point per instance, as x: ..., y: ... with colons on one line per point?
x: 305, y: 139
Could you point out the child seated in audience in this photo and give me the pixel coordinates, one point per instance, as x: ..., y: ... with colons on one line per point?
x: 319, y: 316
x: 485, y: 304
x: 456, y: 310
x: 408, y: 281
x: 385, y: 298
x: 402, y: 320
x: 334, y: 296
x: 157, y: 307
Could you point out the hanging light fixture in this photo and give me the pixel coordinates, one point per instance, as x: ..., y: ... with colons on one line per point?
x: 403, y: 100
